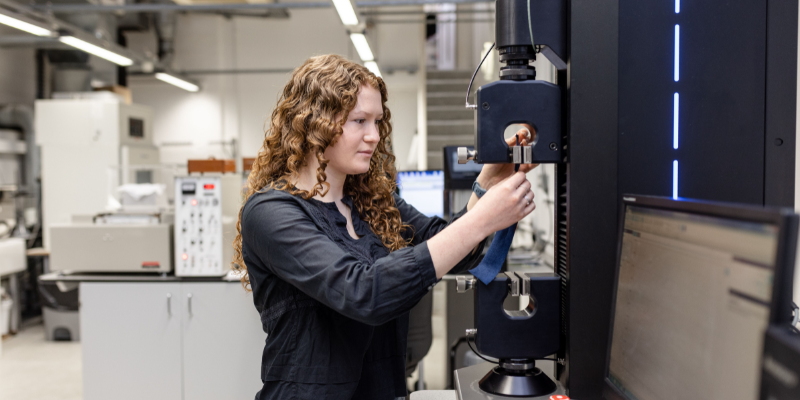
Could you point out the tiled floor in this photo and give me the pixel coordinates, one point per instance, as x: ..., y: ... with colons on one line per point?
x: 32, y: 368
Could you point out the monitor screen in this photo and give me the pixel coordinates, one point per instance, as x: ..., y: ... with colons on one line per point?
x: 692, y: 304
x: 424, y: 190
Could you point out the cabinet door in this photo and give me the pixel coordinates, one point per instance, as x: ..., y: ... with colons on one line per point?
x: 222, y: 342
x: 131, y: 341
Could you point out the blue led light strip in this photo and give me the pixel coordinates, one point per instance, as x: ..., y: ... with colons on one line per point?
x: 675, y: 179
x: 676, y: 101
x: 675, y: 118
x: 677, y: 52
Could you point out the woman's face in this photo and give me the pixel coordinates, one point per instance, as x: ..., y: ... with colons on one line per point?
x: 354, y: 148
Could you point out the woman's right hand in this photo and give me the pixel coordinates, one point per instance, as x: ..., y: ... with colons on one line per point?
x: 505, y: 203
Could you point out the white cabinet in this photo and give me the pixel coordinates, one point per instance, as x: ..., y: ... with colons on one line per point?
x: 222, y: 342
x: 131, y: 340
x: 179, y: 340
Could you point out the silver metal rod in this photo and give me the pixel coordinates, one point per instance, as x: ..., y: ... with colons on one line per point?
x: 421, y: 12
x: 432, y: 22
x: 81, y: 8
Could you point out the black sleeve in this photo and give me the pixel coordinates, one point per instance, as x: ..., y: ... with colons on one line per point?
x: 285, y: 238
x: 424, y: 228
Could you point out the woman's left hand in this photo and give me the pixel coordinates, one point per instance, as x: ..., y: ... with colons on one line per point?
x: 491, y: 174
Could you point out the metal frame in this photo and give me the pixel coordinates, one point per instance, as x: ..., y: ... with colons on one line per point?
x: 781, y: 102
x: 785, y: 219
x: 586, y: 222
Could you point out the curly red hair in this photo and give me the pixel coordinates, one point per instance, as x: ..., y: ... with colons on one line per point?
x: 307, y: 120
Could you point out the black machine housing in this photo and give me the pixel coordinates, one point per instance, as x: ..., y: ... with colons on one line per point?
x: 503, y: 103
x: 518, y: 337
x: 517, y: 98
x: 525, y: 334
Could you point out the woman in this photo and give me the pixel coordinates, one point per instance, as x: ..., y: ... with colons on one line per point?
x: 335, y: 260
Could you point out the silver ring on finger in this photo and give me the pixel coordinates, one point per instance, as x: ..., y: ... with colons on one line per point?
x: 527, y: 201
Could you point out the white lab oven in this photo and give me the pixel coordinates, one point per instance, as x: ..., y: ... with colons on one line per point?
x: 80, y: 140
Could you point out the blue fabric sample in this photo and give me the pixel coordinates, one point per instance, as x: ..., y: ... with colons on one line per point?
x: 488, y: 269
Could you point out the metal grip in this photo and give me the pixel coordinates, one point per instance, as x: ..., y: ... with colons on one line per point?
x: 189, y: 303
x: 169, y: 304
x: 464, y: 283
x: 465, y: 155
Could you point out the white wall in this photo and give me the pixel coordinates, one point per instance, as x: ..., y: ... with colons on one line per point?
x: 236, y: 106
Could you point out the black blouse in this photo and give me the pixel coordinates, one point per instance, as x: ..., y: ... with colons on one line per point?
x: 335, y: 308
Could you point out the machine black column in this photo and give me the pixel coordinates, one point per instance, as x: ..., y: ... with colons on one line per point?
x: 731, y: 129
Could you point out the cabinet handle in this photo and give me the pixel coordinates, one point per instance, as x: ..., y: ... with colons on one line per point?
x: 189, y: 302
x: 169, y: 304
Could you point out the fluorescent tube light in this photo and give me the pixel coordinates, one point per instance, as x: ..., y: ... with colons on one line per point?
x: 173, y: 80
x: 24, y: 26
x: 362, y: 47
x: 96, y: 50
x: 372, y: 66
x: 346, y: 12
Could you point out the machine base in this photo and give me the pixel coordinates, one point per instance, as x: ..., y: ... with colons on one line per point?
x: 467, y: 384
x: 530, y: 383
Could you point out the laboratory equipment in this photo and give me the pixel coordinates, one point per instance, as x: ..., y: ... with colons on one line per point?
x: 696, y: 282
x: 206, y: 210
x: 518, y: 98
x: 80, y: 140
x: 645, y: 110
x: 424, y: 190
x: 517, y: 338
x: 112, y: 243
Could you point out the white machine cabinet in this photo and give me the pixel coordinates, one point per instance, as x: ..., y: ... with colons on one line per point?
x: 170, y: 340
x: 80, y: 139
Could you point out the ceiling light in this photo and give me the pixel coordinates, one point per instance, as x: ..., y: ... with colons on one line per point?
x: 181, y: 83
x: 96, y: 50
x: 362, y: 47
x: 24, y: 26
x: 372, y: 66
x: 346, y: 12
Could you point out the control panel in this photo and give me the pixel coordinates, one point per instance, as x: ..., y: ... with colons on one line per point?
x: 198, y: 226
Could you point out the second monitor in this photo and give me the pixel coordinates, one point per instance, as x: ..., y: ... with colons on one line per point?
x: 424, y: 190
x: 693, y: 298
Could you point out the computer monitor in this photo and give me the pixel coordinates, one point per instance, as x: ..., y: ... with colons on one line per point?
x: 459, y: 176
x: 424, y: 190
x: 693, y: 297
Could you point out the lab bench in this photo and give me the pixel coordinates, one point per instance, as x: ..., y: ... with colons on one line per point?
x: 167, y: 337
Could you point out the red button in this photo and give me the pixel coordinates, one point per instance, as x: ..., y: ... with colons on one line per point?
x: 559, y: 397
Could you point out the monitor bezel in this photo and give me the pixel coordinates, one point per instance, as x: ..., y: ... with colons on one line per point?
x: 784, y: 218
